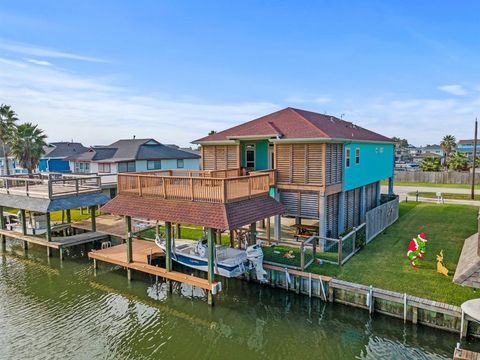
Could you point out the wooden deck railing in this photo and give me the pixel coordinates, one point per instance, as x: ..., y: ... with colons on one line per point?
x: 49, y: 187
x: 271, y: 173
x: 194, y: 188
x: 194, y: 173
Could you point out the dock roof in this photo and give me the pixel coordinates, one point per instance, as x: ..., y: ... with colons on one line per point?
x: 294, y: 124
x: 222, y: 216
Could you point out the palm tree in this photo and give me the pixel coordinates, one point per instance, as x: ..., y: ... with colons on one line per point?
x: 27, y: 145
x: 8, y: 119
x: 448, y: 144
x: 430, y: 164
x: 458, y: 161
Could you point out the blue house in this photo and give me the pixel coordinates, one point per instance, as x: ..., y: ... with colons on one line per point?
x: 323, y: 168
x: 56, y: 154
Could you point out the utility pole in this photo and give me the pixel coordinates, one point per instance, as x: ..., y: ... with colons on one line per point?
x: 474, y: 159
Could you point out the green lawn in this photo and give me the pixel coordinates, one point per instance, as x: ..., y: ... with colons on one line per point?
x: 422, y: 184
x: 75, y: 214
x: 186, y: 231
x: 383, y: 263
x: 433, y: 195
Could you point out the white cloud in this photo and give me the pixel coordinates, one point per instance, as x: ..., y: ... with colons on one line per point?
x: 454, y: 89
x: 311, y: 99
x: 95, y: 111
x: 26, y: 49
x: 421, y: 121
x: 39, y: 62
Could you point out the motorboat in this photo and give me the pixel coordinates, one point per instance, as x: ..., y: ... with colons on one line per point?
x: 228, y: 262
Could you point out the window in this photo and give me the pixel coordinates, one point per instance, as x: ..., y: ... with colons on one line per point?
x: 154, y: 165
x: 82, y: 167
x: 347, y: 157
x: 126, y: 166
x: 357, y: 156
x: 180, y: 164
x: 250, y: 156
x: 104, y: 168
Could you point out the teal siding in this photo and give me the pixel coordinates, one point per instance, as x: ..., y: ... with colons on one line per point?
x: 261, y: 154
x: 376, y: 163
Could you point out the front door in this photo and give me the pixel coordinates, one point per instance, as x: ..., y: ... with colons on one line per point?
x: 250, y: 156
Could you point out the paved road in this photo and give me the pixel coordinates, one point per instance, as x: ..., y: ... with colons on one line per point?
x: 402, y: 192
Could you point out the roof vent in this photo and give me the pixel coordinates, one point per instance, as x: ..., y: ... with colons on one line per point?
x: 332, y: 119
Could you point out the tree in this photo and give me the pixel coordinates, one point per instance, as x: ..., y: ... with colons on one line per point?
x: 8, y: 119
x: 448, y: 144
x: 27, y: 145
x: 430, y: 164
x: 212, y: 132
x: 457, y: 161
x: 401, y: 143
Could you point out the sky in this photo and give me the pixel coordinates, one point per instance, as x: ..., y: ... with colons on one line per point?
x: 97, y: 71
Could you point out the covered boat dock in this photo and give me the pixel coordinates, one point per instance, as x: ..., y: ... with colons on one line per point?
x: 44, y: 194
x: 217, y: 204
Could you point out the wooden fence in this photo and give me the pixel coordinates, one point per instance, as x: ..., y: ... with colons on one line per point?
x: 381, y: 217
x: 442, y: 177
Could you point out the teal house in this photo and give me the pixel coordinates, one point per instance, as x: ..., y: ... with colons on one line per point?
x: 322, y: 167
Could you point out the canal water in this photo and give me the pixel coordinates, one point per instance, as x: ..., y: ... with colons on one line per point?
x: 53, y: 310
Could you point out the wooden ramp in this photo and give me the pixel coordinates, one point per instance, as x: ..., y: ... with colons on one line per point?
x: 58, y: 242
x: 141, y: 250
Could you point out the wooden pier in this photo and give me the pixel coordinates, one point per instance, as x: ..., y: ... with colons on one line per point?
x: 57, y: 242
x: 141, y: 251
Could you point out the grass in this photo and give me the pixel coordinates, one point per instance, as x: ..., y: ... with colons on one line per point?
x: 433, y: 195
x: 383, y: 263
x: 276, y: 254
x: 75, y: 214
x: 191, y: 232
x: 423, y: 184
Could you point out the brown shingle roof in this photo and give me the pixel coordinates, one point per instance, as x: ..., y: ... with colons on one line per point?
x: 215, y: 215
x: 293, y: 123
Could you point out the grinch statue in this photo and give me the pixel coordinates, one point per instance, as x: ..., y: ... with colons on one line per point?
x: 416, y: 250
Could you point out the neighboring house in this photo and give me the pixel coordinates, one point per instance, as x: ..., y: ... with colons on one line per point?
x: 131, y: 155
x: 466, y: 146
x: 326, y: 168
x: 12, y: 163
x: 56, y: 156
x: 420, y: 156
x: 404, y: 154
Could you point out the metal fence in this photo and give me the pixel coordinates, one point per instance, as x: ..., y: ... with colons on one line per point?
x: 381, y: 217
x: 441, y: 177
x: 339, y: 251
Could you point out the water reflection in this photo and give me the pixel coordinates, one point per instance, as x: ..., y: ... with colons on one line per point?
x: 53, y: 311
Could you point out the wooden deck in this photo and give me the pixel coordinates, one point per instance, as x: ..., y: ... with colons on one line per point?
x: 461, y: 354
x: 141, y: 249
x: 106, y: 224
x: 202, y: 189
x: 58, y: 186
x: 58, y: 242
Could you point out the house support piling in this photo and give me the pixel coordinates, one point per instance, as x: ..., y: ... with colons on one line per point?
x: 23, y: 215
x: 49, y: 234
x: 253, y: 233
x: 93, y: 217
x: 322, y: 221
x: 211, y: 263
x: 341, y: 212
x: 3, y: 238
x: 168, y: 251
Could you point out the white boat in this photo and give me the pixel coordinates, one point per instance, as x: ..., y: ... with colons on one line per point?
x: 228, y: 262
